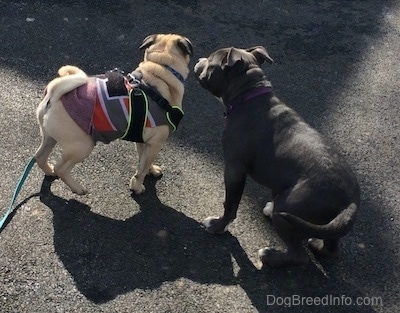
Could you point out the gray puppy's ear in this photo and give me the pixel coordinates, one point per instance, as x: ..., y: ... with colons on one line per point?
x: 261, y: 54
x: 234, y: 61
x: 148, y: 41
x: 233, y: 57
x: 185, y: 45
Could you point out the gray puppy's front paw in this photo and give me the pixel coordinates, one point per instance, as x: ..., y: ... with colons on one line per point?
x: 215, y: 225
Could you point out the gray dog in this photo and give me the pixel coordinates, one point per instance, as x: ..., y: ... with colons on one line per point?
x: 315, y: 194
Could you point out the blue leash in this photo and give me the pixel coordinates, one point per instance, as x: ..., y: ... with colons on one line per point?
x: 21, y: 181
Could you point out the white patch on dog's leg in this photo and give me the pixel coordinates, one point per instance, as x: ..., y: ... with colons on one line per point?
x: 268, y: 209
x: 227, y: 226
x: 208, y: 223
x: 261, y: 252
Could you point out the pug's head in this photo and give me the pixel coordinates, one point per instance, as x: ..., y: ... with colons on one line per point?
x: 169, y: 50
x: 228, y: 70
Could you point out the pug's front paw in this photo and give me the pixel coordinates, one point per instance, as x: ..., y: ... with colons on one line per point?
x: 155, y: 170
x: 137, y: 187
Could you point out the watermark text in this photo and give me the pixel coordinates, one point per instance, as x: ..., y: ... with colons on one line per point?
x: 327, y: 300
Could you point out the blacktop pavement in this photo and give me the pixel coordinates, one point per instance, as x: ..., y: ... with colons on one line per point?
x: 336, y: 63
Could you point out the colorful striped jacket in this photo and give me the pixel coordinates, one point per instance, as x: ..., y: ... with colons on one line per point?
x: 107, y: 108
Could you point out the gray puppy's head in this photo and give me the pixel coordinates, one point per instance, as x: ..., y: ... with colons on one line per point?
x: 230, y: 69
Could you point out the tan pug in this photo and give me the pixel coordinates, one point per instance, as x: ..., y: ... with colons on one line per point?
x: 75, y: 113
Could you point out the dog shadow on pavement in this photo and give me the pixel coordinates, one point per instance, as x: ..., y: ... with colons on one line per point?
x: 108, y: 257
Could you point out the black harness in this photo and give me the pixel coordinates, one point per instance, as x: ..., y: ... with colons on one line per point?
x: 138, y: 92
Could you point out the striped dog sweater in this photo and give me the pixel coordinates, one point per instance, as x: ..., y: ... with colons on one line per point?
x: 107, y: 108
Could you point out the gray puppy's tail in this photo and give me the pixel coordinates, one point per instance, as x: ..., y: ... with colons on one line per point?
x: 335, y: 229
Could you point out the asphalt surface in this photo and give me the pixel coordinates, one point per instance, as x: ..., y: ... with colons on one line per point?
x: 336, y: 63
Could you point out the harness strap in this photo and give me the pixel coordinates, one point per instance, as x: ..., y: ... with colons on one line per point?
x: 139, y: 106
x: 173, y: 114
x: 174, y: 117
x: 162, y: 102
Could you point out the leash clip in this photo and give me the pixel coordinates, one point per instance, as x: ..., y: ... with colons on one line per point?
x: 133, y: 81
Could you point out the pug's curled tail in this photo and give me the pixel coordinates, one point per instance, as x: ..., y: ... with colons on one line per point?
x: 335, y: 229
x: 71, y: 77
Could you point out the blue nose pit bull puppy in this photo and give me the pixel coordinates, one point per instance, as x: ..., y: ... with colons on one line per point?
x: 315, y: 193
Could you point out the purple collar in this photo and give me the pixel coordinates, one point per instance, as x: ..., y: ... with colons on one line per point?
x: 246, y: 97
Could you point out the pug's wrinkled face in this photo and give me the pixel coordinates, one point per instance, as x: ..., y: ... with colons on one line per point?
x: 216, y: 72
x: 168, y: 49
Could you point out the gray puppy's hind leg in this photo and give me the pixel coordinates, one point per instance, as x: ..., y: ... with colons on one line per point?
x: 295, y: 254
x: 324, y: 247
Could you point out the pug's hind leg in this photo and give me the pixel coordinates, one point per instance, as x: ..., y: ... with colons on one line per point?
x: 43, y: 152
x: 72, y: 155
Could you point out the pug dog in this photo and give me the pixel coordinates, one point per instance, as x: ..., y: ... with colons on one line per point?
x: 145, y: 107
x: 315, y: 193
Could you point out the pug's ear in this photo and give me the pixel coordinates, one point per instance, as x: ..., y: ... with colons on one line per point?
x: 261, y: 54
x: 148, y: 41
x: 185, y: 45
x: 234, y: 61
